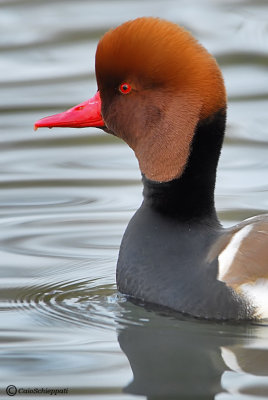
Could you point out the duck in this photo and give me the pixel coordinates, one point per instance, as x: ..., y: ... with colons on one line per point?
x: 163, y: 93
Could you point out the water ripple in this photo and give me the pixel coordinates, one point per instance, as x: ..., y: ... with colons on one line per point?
x: 81, y: 301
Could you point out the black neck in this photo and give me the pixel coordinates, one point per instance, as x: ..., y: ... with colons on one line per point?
x: 191, y: 196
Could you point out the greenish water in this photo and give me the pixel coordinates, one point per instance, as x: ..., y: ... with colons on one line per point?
x: 67, y: 195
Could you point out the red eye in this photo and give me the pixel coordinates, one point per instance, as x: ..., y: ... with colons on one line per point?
x: 125, y: 88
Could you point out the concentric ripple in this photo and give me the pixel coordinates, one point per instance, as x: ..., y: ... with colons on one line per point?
x: 52, y: 300
x: 65, y: 238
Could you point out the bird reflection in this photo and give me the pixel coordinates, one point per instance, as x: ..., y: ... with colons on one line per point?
x: 183, y: 358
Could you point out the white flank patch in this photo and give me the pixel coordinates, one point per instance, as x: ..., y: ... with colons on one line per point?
x: 230, y: 359
x: 257, y: 294
x: 227, y: 256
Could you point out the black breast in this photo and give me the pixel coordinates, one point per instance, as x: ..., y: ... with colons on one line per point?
x: 163, y: 261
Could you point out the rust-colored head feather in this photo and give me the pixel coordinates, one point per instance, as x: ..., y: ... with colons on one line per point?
x: 159, y: 53
x: 174, y: 83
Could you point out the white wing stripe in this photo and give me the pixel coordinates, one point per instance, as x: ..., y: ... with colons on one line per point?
x: 226, y: 257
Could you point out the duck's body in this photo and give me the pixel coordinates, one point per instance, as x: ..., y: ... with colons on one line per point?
x: 189, y: 266
x: 162, y: 93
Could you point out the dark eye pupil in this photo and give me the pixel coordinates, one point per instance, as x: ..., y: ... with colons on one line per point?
x: 125, y: 88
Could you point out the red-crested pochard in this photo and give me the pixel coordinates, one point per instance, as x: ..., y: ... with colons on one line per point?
x: 163, y: 94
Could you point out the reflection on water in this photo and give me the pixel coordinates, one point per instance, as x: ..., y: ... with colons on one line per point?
x: 189, y: 359
x: 66, y: 197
